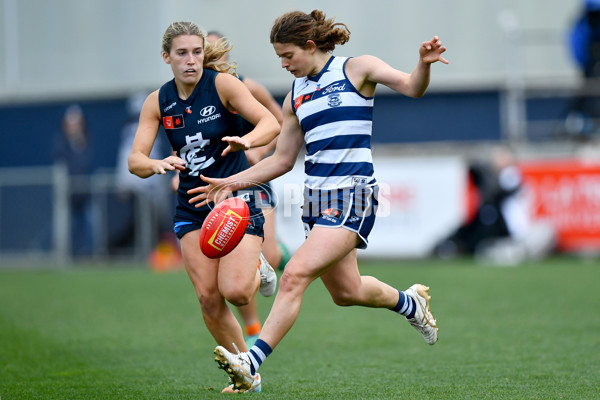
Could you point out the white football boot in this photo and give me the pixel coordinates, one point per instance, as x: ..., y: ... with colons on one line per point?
x: 423, y: 320
x: 237, y: 366
x: 268, y: 277
x: 255, y: 388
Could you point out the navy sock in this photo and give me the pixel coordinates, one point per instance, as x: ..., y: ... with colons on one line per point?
x: 405, y: 306
x: 258, y: 353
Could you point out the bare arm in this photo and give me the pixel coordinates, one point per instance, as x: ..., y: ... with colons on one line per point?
x: 365, y: 72
x: 289, y: 143
x: 265, y: 98
x: 139, y: 160
x: 236, y: 96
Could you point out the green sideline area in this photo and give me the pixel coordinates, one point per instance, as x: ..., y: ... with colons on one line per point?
x: 125, y: 332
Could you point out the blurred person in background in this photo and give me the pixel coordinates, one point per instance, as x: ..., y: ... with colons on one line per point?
x: 498, y: 227
x: 73, y: 149
x: 154, y: 190
x: 197, y: 110
x: 527, y: 239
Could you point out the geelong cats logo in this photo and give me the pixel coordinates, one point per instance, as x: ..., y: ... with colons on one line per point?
x: 334, y: 100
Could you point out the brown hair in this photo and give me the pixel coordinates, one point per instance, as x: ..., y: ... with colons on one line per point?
x: 296, y: 27
x: 212, y: 52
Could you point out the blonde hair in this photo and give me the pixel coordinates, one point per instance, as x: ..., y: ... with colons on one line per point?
x: 212, y: 52
x: 296, y: 27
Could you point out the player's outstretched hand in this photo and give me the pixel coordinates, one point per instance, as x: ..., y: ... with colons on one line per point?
x: 236, y: 143
x: 432, y: 50
x: 170, y: 163
x: 216, y: 191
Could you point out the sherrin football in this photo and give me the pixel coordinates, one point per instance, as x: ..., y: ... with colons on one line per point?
x: 224, y: 227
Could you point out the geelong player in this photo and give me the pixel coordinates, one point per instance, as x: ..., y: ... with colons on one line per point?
x: 329, y: 110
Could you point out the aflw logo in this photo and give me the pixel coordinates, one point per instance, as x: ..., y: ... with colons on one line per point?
x: 224, y: 232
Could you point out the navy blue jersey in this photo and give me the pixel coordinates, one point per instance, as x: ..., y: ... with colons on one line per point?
x: 194, y: 128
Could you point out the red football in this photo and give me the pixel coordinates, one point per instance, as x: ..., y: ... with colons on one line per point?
x: 224, y: 227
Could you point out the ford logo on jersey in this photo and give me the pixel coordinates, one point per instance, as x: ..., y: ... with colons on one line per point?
x: 208, y: 110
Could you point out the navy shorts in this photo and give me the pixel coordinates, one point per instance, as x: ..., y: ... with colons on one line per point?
x: 351, y: 208
x: 255, y: 224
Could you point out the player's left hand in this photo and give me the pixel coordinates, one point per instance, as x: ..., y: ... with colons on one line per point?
x: 432, y: 50
x: 216, y: 191
x: 236, y: 143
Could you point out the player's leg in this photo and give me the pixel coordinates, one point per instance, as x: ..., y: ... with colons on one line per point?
x: 322, y: 249
x: 203, y: 273
x: 272, y: 252
x: 271, y: 248
x: 344, y: 282
x: 239, y: 279
x: 252, y: 325
x: 348, y: 288
x: 238, y: 275
x: 265, y: 200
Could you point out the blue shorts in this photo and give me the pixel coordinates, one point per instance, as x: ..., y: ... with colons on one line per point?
x: 255, y: 224
x: 351, y: 208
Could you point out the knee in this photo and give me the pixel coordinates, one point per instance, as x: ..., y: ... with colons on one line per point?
x: 210, y: 303
x: 238, y: 296
x: 292, y: 280
x: 343, y: 299
x: 238, y: 292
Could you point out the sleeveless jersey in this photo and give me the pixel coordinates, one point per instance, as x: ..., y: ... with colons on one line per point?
x: 336, y: 120
x: 194, y: 128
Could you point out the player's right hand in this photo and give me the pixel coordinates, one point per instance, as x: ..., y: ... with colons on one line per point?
x: 170, y: 163
x: 216, y: 191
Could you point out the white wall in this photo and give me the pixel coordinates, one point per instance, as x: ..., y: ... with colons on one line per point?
x: 61, y: 48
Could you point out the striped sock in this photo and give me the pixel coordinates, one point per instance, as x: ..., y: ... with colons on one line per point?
x: 405, y: 306
x: 258, y: 353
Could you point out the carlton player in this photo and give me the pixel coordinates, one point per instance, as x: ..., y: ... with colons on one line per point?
x: 196, y: 109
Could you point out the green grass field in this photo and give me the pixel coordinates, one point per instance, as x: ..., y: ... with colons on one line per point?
x: 117, y: 332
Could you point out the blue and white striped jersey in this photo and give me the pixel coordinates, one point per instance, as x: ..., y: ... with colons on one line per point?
x: 337, y: 121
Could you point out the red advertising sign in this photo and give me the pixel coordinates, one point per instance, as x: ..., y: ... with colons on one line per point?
x: 567, y: 194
